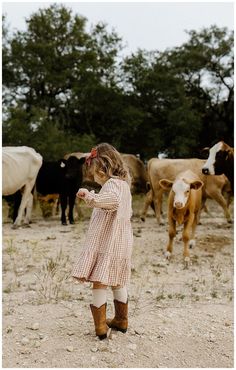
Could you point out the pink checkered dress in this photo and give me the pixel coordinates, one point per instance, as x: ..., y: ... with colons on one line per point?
x: 106, y: 254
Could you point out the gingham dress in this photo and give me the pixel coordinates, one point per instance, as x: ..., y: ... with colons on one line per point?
x: 106, y: 253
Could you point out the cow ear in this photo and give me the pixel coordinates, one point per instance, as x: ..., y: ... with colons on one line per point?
x: 196, y: 185
x: 166, y: 184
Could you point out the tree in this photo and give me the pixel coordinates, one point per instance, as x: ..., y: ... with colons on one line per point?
x: 57, y: 67
x: 206, y: 64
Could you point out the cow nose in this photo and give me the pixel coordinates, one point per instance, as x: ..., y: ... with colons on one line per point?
x: 205, y: 171
x: 178, y: 205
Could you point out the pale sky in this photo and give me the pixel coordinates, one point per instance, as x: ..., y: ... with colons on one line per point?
x: 147, y: 25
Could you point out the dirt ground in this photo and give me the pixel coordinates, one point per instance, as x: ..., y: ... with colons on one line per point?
x: 178, y: 318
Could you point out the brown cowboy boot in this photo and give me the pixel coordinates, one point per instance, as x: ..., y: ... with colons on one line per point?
x: 120, y: 321
x: 99, y: 317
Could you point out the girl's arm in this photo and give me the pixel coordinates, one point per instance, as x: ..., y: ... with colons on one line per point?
x: 108, y: 199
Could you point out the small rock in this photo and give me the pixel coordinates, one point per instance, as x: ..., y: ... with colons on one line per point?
x: 103, y: 348
x: 25, y: 351
x: 132, y: 346
x: 70, y: 348
x: 9, y: 329
x: 94, y: 349
x: 70, y: 333
x: 35, y: 326
x: 139, y: 331
x: 25, y: 341
x: 37, y: 344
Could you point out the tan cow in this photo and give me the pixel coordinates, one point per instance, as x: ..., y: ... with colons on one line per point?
x: 184, y: 205
x: 138, y: 173
x: 159, y: 169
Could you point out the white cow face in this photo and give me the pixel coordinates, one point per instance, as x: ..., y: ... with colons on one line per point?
x: 181, y: 191
x: 208, y: 168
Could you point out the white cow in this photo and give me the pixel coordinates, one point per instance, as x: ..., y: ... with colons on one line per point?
x: 20, y: 167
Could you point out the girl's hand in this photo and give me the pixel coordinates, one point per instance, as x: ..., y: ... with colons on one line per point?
x: 82, y: 193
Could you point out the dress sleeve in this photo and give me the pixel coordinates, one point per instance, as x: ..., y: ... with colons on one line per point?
x: 107, y: 199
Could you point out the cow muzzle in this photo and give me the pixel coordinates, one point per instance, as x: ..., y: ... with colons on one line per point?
x: 178, y: 205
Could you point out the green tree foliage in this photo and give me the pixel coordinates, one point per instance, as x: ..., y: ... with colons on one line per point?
x: 66, y: 88
x: 206, y: 65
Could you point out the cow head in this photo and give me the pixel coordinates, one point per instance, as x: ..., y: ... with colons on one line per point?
x: 181, y: 190
x: 215, y: 163
x: 72, y: 167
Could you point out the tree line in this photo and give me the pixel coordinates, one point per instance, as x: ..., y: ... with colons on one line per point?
x: 66, y: 88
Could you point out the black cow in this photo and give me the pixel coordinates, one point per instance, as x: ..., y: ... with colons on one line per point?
x: 220, y: 161
x: 63, y: 177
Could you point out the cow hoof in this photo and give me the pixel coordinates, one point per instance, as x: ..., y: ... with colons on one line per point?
x: 14, y: 227
x: 167, y: 255
x: 72, y: 222
x: 186, y: 262
x: 64, y: 223
x: 142, y: 218
x: 192, y: 244
x: 229, y: 221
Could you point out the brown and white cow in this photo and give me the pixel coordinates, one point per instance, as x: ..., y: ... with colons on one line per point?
x: 220, y: 161
x: 159, y: 169
x: 184, y: 205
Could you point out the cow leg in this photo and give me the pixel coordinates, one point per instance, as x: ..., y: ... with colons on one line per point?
x: 192, y: 241
x: 172, y: 234
x: 148, y: 201
x: 186, y: 237
x: 17, y: 201
x: 29, y: 207
x: 24, y: 201
x: 157, y: 199
x: 71, y: 207
x: 219, y: 198
x: 63, y: 201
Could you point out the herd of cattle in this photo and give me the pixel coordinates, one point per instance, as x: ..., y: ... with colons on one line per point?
x: 189, y: 182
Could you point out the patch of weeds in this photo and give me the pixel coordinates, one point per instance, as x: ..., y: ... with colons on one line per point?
x: 180, y: 296
x: 194, y: 289
x: 195, y: 260
x: 52, y: 279
x: 214, y: 294
x: 170, y: 296
x: 10, y: 249
x: 7, y: 290
x: 160, y: 297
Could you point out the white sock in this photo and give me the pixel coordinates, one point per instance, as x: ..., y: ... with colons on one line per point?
x: 99, y: 297
x: 120, y: 294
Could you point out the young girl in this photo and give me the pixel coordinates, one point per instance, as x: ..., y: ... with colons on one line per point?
x: 105, y: 259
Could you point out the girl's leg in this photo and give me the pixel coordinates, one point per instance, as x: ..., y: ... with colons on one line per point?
x: 120, y: 321
x: 98, y: 309
x: 99, y: 294
x: 120, y: 293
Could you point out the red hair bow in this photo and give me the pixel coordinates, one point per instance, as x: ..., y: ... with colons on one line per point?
x: 93, y: 154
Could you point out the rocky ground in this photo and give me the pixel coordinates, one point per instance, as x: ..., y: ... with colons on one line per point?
x: 177, y: 317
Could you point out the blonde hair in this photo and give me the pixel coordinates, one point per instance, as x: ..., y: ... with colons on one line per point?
x: 109, y: 161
